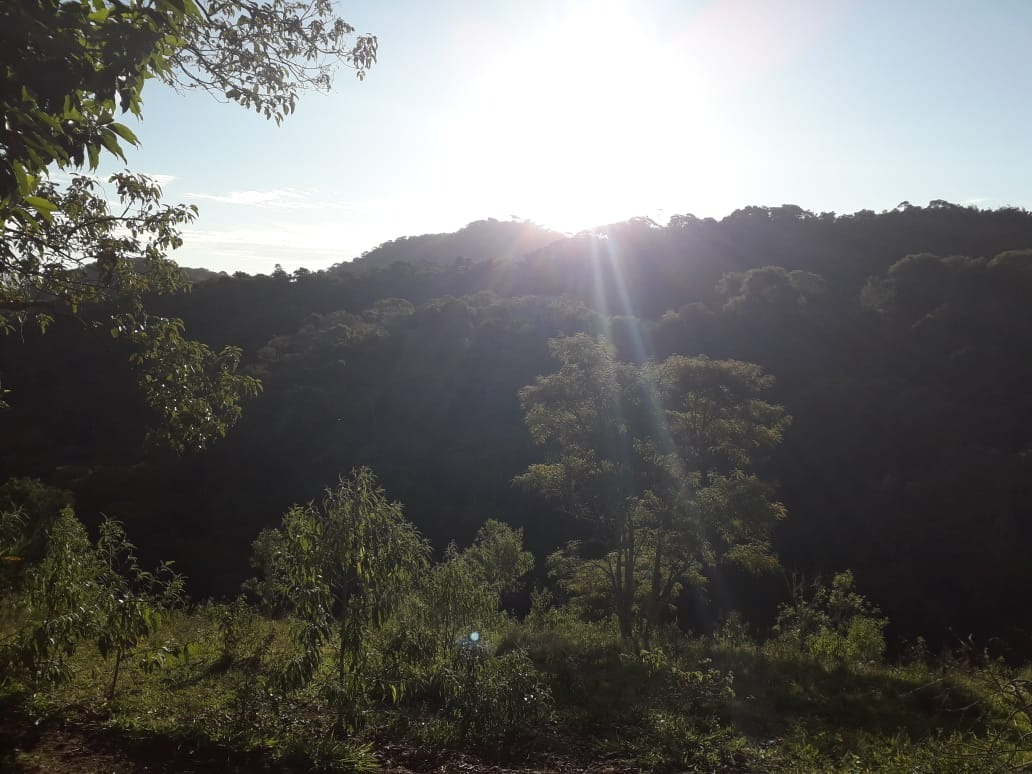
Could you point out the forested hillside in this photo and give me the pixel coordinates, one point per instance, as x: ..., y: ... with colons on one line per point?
x: 741, y: 495
x: 900, y: 344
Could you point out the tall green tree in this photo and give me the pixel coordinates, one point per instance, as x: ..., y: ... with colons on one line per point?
x: 67, y: 68
x: 80, y: 592
x: 463, y: 593
x: 342, y: 566
x: 662, y: 459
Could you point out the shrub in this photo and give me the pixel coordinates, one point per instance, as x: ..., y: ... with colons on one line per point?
x: 238, y: 632
x: 343, y: 567
x: 81, y: 592
x: 833, y: 624
x: 500, y: 697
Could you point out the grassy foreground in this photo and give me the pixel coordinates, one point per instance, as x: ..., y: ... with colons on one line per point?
x: 550, y: 693
x: 356, y: 651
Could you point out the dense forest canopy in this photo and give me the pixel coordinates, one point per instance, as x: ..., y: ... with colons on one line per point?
x: 898, y: 342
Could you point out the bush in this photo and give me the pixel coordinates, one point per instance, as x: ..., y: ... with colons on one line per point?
x: 695, y: 691
x: 239, y: 634
x: 599, y: 684
x: 505, y: 697
x: 833, y: 624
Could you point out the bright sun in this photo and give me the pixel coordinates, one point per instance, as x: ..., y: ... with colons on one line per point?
x: 589, y: 119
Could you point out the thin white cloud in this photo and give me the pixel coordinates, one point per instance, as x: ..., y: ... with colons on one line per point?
x: 303, y: 236
x: 282, y: 236
x: 278, y: 198
x: 159, y: 178
x: 256, y: 248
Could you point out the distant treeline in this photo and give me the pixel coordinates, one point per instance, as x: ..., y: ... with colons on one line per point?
x: 901, y: 343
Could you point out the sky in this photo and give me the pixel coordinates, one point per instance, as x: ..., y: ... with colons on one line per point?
x: 576, y: 113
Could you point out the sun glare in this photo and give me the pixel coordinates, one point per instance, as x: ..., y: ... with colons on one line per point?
x: 586, y: 120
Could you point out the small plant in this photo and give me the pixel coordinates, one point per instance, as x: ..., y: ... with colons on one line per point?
x: 833, y: 624
x: 499, y: 697
x: 130, y: 600
x: 733, y: 632
x: 675, y: 741
x: 344, y: 567
x: 60, y: 605
x: 696, y: 691
x: 238, y: 638
x: 84, y: 593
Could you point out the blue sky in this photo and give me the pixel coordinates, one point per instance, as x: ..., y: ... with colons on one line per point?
x: 575, y: 113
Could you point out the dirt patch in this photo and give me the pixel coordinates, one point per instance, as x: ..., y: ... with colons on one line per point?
x: 56, y: 747
x: 27, y: 748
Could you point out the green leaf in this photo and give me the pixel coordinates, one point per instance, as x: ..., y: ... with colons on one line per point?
x: 110, y: 141
x: 44, y: 207
x: 124, y: 132
x: 25, y: 181
x: 22, y: 216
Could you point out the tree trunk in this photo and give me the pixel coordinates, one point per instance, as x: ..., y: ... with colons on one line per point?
x: 652, y: 603
x: 341, y: 653
x: 627, y: 597
x: 619, y: 596
x: 114, y: 676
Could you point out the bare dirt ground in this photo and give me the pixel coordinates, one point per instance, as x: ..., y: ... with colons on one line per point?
x: 28, y: 748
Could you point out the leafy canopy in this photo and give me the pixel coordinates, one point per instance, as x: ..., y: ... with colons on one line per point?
x: 68, y: 67
x: 66, y: 70
x: 662, y: 459
x: 80, y: 593
x: 342, y: 566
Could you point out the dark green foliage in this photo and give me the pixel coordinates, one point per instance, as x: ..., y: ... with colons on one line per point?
x: 900, y: 342
x: 501, y: 697
x: 60, y: 604
x: 239, y: 638
x: 497, y: 558
x: 661, y: 459
x: 30, y: 510
x: 906, y: 458
x: 197, y: 392
x: 439, y: 651
x: 484, y: 240
x: 95, y: 258
x: 80, y: 593
x: 130, y: 600
x: 343, y: 567
x: 832, y: 623
x: 657, y: 708
x: 419, y: 681
x: 66, y: 69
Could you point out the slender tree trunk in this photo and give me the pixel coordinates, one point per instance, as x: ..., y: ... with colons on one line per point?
x: 652, y: 604
x: 619, y: 597
x: 341, y: 653
x: 628, y: 583
x: 114, y: 676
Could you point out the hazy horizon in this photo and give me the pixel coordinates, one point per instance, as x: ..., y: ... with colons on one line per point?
x: 544, y: 226
x: 573, y: 114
